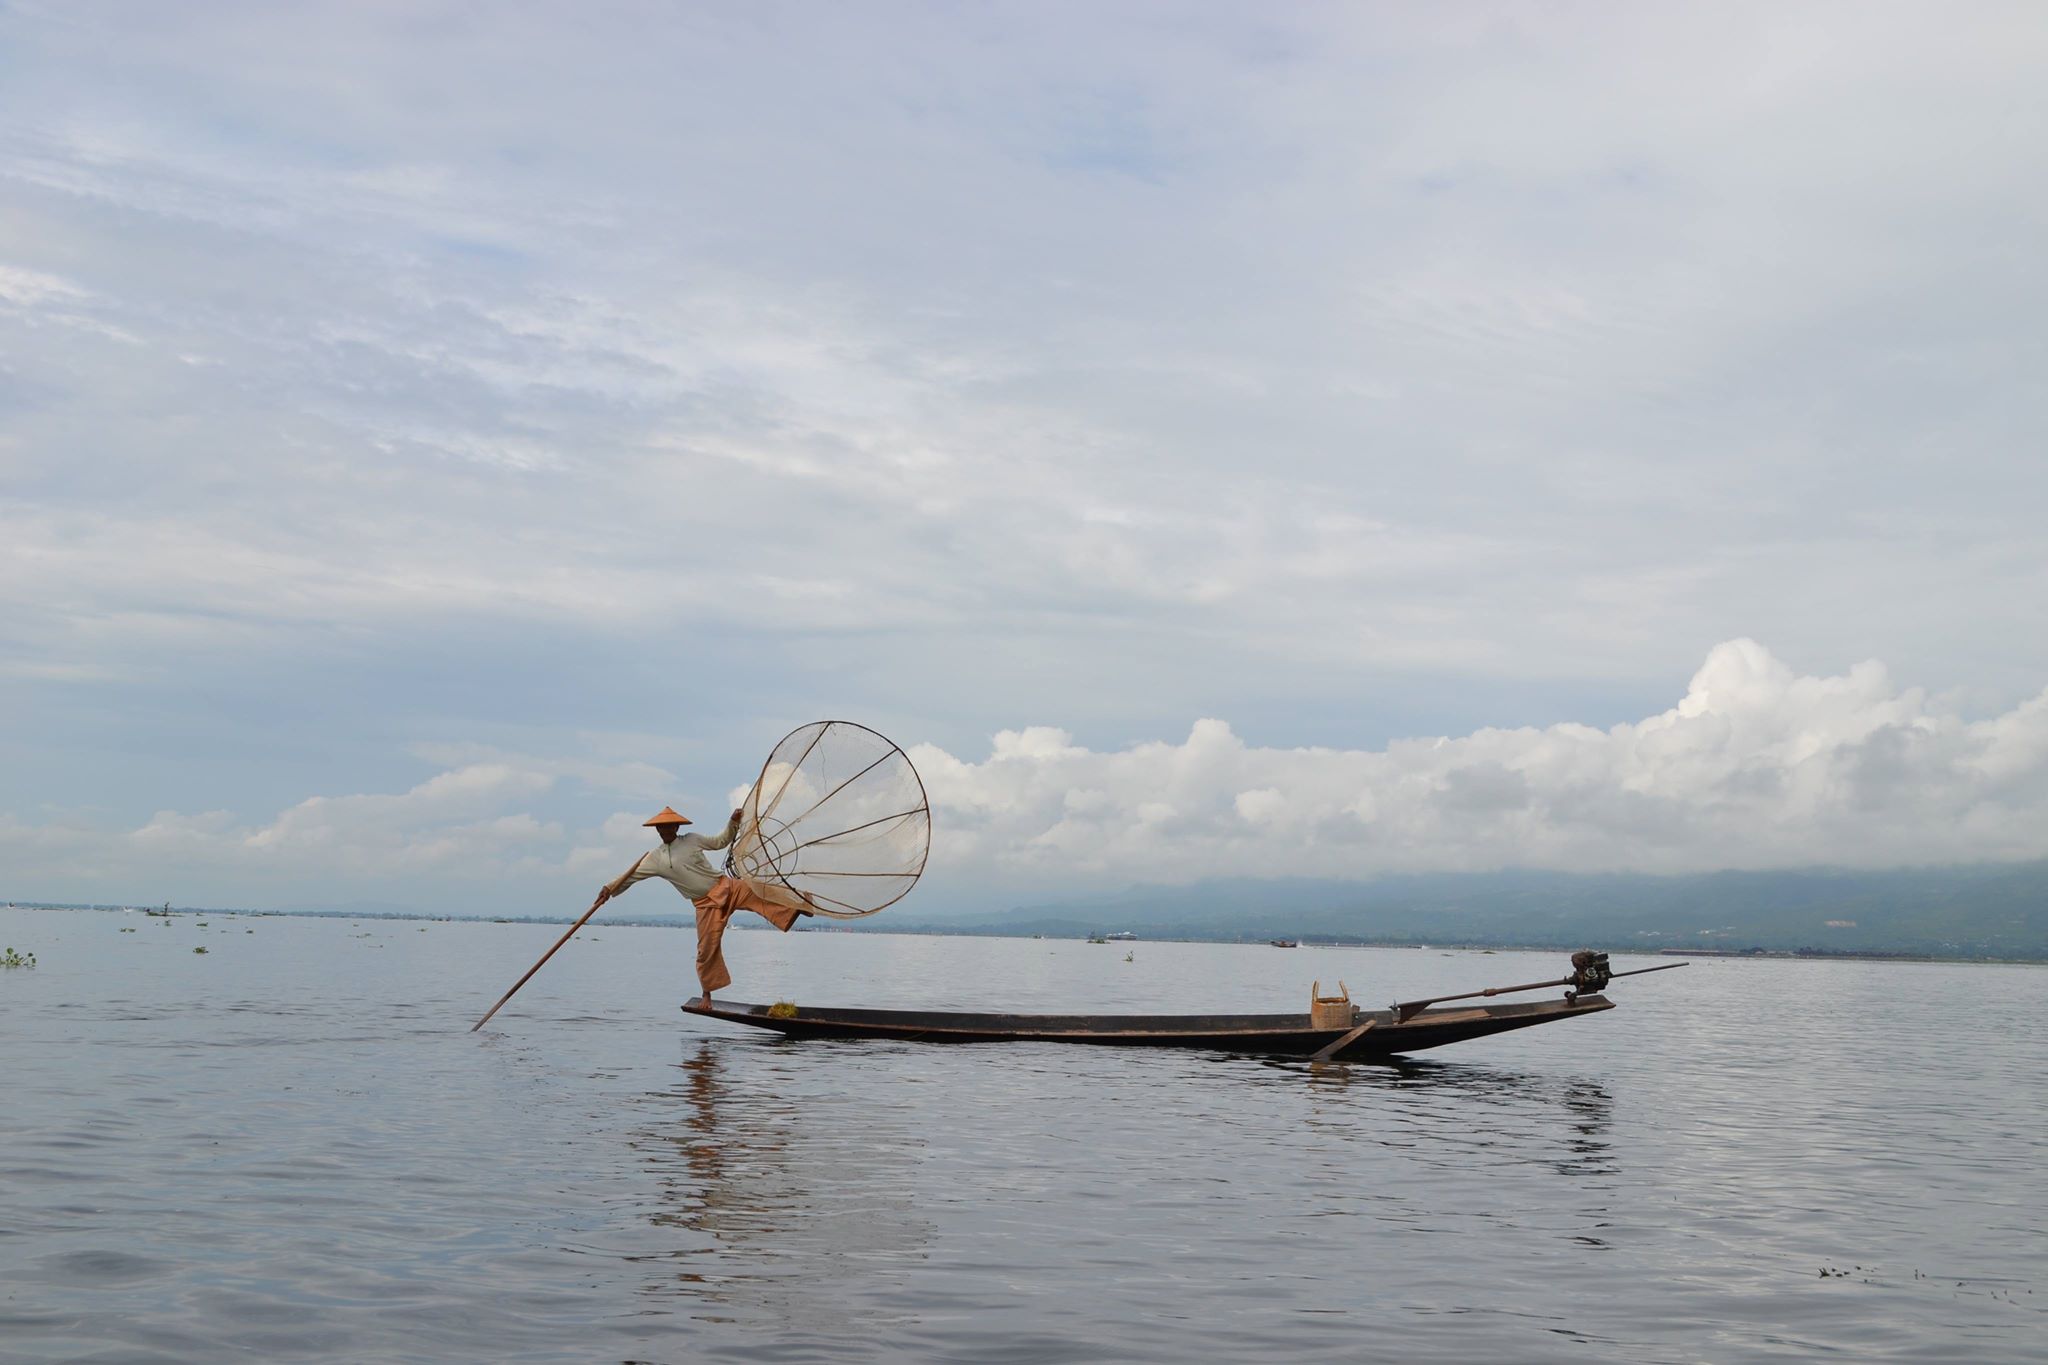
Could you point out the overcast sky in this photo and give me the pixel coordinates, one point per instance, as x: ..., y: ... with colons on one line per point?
x: 1341, y: 439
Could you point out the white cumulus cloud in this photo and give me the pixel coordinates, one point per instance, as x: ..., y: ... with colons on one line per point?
x: 1756, y: 766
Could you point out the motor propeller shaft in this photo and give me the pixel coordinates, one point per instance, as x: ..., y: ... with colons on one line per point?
x: 1589, y: 974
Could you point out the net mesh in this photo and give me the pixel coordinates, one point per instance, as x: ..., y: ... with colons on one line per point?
x: 838, y: 816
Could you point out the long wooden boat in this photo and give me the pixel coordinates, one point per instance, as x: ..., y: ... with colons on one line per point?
x: 1331, y: 1032
x: 1283, y: 1035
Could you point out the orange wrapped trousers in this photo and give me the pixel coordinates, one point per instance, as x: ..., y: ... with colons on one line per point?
x: 716, y: 907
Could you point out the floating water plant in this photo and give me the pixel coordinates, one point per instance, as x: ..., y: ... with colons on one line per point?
x: 13, y: 959
x: 199, y: 950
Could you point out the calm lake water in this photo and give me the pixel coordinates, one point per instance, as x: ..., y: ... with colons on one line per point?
x: 292, y: 1148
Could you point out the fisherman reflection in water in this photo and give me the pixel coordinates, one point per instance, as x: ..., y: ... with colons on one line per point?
x: 680, y: 862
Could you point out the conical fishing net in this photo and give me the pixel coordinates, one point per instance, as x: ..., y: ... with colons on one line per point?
x: 838, y: 816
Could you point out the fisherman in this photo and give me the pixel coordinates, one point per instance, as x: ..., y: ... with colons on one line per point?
x: 680, y: 862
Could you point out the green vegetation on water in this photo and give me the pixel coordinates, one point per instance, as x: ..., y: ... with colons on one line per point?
x: 14, y: 959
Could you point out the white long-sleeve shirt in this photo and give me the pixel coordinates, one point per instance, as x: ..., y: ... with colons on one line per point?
x: 682, y: 863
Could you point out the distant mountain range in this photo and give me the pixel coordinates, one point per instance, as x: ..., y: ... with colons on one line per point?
x: 1982, y: 911
x: 1994, y: 911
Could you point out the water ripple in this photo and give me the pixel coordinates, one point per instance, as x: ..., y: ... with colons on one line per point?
x: 259, y: 1153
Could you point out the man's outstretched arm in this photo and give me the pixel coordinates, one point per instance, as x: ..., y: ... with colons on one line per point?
x: 622, y: 881
x: 732, y: 827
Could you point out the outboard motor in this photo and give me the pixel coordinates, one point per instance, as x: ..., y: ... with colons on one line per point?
x: 1590, y: 973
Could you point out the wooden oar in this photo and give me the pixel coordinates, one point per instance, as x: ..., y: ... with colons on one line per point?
x: 538, y: 965
x: 1332, y: 1048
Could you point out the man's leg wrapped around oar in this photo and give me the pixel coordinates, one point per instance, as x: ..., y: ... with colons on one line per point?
x: 780, y: 906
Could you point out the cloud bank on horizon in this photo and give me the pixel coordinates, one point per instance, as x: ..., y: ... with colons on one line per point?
x: 1755, y: 767
x: 496, y: 420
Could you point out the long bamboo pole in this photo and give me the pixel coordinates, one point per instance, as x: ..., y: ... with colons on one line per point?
x: 538, y: 965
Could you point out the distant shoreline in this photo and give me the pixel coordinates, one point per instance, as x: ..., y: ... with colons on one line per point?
x: 928, y: 930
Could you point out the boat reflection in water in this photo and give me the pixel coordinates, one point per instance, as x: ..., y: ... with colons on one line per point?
x: 772, y: 1210
x: 1452, y: 1115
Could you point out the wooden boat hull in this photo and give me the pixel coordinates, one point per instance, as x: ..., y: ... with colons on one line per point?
x: 1284, y: 1035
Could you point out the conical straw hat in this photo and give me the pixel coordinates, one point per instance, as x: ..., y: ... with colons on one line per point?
x: 668, y: 816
